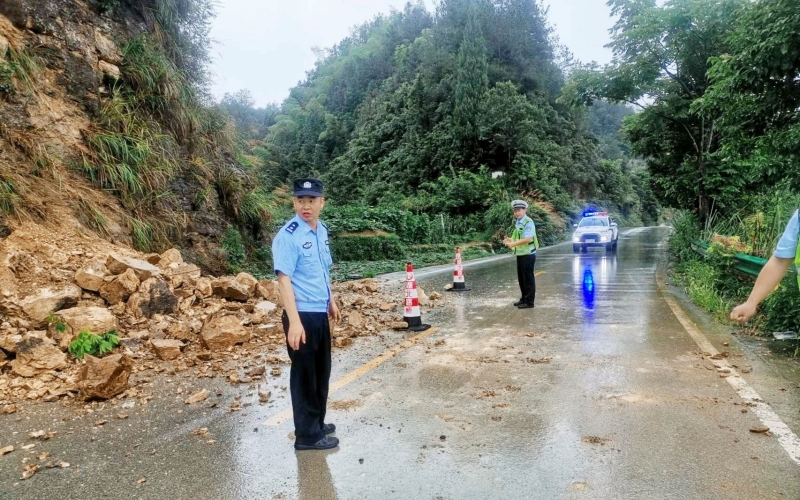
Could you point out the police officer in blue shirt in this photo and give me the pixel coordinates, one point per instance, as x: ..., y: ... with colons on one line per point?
x: 302, y: 257
x: 774, y: 270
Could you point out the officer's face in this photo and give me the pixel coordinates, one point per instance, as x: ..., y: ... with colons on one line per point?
x: 519, y: 213
x: 308, y: 207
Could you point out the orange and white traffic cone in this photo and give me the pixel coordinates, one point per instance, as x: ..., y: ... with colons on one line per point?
x: 411, y: 313
x: 458, y: 275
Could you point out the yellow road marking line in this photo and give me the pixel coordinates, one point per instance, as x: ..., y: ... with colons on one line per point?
x: 285, y: 415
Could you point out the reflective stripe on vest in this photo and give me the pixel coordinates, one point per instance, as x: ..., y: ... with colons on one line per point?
x: 518, y: 235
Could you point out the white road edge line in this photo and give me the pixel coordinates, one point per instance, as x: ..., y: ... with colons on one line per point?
x: 787, y: 438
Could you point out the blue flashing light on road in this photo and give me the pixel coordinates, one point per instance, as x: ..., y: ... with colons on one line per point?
x: 588, y: 288
x: 594, y: 214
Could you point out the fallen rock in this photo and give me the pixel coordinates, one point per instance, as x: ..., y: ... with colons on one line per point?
x: 398, y: 325
x: 203, y: 287
x: 9, y: 342
x: 761, y: 429
x: 6, y: 450
x: 449, y: 287
x: 423, y: 297
x: 47, y: 300
x: 144, y: 270
x: 197, y: 397
x: 268, y: 290
x: 435, y: 296
x: 29, y: 470
x: 152, y: 258
x: 181, y: 272
x: 386, y: 307
x: 167, y: 349
x: 229, y: 287
x: 266, y: 307
x: 153, y: 297
x: 104, y: 378
x: 342, y: 341
x: 171, y: 256
x: 356, y: 320
x: 95, y: 319
x: 92, y: 275
x: 263, y: 396
x: 35, y: 356
x: 181, y: 331
x: 223, y: 332
x: 120, y: 288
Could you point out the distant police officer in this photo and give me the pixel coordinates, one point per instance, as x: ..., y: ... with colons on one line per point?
x: 302, y: 259
x: 523, y: 243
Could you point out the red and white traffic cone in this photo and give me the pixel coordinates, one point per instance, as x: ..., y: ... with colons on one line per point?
x: 411, y: 313
x: 458, y: 275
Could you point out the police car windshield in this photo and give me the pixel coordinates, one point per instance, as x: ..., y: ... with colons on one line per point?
x: 593, y: 221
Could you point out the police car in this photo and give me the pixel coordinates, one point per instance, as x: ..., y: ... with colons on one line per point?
x: 596, y: 229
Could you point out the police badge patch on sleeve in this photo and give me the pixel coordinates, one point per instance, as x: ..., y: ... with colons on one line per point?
x: 291, y: 227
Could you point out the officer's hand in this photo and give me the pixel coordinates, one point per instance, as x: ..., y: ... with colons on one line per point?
x: 743, y: 312
x: 333, y: 312
x: 296, y: 336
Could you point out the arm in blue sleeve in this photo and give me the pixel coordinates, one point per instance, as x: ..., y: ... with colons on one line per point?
x: 530, y: 227
x: 787, y: 246
x: 284, y: 256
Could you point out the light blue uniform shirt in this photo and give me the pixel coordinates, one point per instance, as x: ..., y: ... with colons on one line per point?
x: 304, y: 255
x: 787, y: 246
x: 527, y: 231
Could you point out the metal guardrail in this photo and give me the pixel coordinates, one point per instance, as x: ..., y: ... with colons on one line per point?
x: 742, y: 262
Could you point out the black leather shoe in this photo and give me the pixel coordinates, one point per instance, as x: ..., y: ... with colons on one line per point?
x: 517, y: 303
x: 328, y: 429
x: 325, y: 443
x: 525, y: 306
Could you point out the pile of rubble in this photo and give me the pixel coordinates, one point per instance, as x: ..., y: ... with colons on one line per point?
x: 165, y: 311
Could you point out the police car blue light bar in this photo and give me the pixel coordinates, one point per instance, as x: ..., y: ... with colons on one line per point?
x: 593, y: 214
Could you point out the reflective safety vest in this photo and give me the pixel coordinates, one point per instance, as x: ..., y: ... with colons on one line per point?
x: 797, y: 262
x: 517, y: 235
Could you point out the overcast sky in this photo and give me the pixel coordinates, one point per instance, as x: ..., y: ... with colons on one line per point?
x: 266, y: 46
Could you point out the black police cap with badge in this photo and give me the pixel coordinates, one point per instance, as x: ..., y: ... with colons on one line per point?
x: 308, y: 187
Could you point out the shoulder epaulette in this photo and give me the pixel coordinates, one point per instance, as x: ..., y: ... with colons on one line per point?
x: 291, y: 227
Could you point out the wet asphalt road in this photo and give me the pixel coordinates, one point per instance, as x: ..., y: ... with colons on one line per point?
x: 598, y: 392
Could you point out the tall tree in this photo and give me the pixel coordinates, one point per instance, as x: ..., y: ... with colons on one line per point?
x: 755, y: 92
x: 661, y: 57
x: 471, y: 81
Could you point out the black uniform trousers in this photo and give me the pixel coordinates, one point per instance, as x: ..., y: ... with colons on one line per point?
x: 527, y: 281
x: 310, y: 376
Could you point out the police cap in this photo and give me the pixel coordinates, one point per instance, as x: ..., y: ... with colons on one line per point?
x: 308, y: 187
x: 519, y: 204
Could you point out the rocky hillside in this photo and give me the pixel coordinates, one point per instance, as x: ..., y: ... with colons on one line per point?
x: 103, y: 129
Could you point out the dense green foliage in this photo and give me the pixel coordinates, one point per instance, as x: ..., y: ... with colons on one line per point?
x: 367, y: 247
x: 415, y: 110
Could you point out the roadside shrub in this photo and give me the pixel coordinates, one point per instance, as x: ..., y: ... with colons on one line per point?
x: 233, y: 245
x: 371, y: 248
x: 700, y: 279
x: 686, y: 230
x: 90, y: 343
